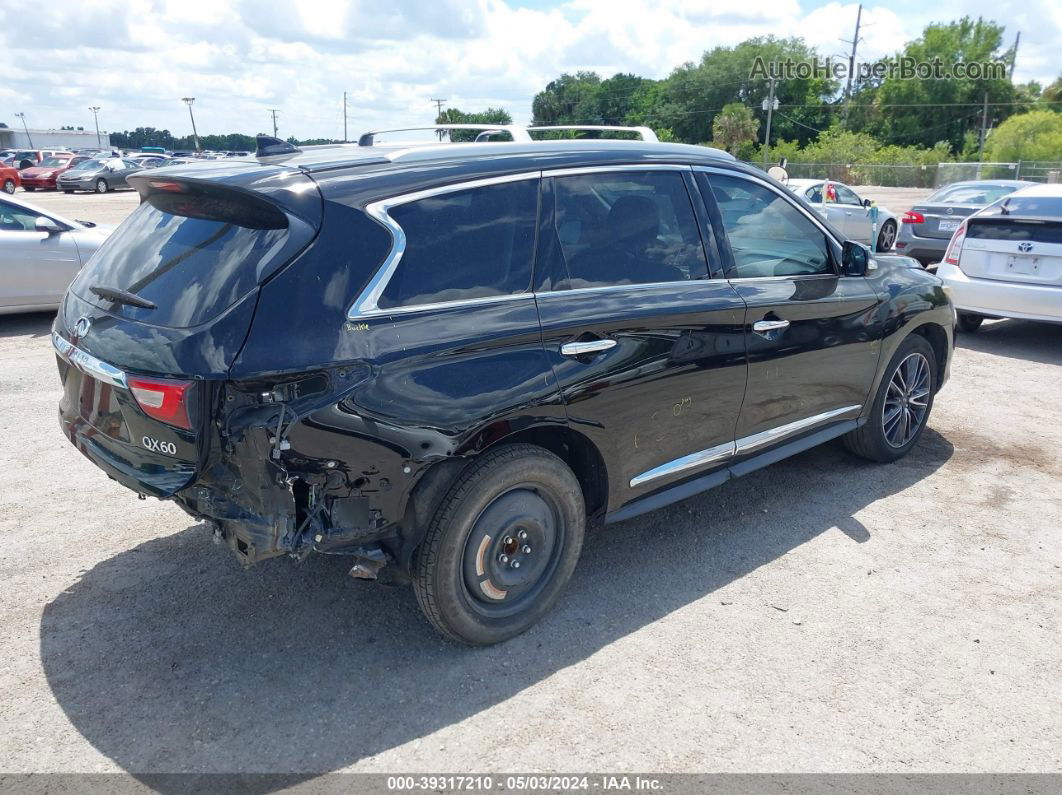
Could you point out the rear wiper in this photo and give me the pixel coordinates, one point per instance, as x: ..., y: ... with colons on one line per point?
x: 122, y: 297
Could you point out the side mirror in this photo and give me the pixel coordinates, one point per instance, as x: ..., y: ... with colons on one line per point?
x: 855, y: 259
x: 43, y: 224
x: 867, y: 203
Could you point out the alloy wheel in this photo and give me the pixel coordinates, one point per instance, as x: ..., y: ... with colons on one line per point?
x: 907, y: 400
x: 887, y: 237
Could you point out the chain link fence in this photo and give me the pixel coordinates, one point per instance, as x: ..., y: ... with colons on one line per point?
x: 929, y: 175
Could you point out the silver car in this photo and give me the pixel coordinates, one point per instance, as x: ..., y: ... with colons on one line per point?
x: 98, y: 175
x: 849, y: 214
x: 40, y: 253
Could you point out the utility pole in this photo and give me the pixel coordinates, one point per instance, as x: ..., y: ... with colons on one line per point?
x: 984, y: 134
x: 851, y: 69
x: 344, y: 117
x: 438, y: 104
x: 24, y: 127
x: 1014, y: 55
x: 274, y: 111
x: 770, y: 105
x: 195, y: 135
x: 96, y: 115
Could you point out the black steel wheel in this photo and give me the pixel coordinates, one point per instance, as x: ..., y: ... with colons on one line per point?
x: 502, y: 545
x: 901, y: 405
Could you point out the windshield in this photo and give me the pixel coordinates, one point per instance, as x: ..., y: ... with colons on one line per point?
x: 89, y: 165
x: 970, y: 194
x: 55, y: 162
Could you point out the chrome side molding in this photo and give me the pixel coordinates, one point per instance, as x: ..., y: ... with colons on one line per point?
x: 739, y: 446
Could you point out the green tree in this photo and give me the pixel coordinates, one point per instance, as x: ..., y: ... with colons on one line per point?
x: 570, y: 99
x: 1036, y: 135
x: 734, y: 126
x: 488, y: 116
x: 921, y: 111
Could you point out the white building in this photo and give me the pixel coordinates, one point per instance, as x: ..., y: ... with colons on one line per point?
x: 17, y: 138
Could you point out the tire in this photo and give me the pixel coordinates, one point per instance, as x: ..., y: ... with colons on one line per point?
x: 516, y: 489
x: 66, y: 190
x: 101, y: 186
x: 28, y: 190
x: 883, y: 437
x: 9, y: 186
x: 887, y: 236
x: 969, y: 323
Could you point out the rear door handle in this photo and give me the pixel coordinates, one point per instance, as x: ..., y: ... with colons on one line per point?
x: 584, y: 348
x: 763, y: 326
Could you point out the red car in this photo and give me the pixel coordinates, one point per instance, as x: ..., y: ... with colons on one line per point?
x: 9, y: 179
x: 43, y: 176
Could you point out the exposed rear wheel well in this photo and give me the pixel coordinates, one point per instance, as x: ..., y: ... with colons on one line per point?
x: 938, y: 339
x: 579, y: 453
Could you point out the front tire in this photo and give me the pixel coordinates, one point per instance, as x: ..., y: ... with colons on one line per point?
x: 887, y: 236
x: 501, y: 546
x: 902, y: 405
x: 969, y: 323
x: 9, y: 186
x: 28, y: 190
x: 101, y: 186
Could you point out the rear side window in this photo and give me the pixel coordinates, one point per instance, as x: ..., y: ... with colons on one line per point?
x: 192, y: 254
x: 768, y: 235
x: 474, y: 243
x: 618, y: 228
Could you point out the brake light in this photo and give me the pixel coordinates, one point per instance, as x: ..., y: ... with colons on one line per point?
x: 954, y: 250
x: 163, y: 399
x: 911, y: 217
x: 171, y: 187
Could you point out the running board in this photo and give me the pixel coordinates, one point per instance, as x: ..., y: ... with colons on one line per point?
x: 690, y: 488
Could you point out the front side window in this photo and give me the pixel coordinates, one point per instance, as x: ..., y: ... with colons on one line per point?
x: 847, y: 196
x: 768, y: 235
x: 616, y: 228
x: 474, y: 243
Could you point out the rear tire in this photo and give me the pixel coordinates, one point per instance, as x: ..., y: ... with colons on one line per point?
x: 67, y: 191
x: 969, y: 323
x: 902, y: 405
x: 28, y: 190
x: 501, y: 546
x: 9, y: 186
x: 887, y: 236
x: 101, y: 186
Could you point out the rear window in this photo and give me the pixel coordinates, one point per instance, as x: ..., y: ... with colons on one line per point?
x: 1036, y: 206
x: 192, y: 255
x: 970, y: 194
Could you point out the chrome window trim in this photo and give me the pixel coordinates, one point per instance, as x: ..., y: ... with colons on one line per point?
x: 87, y: 363
x: 367, y: 303
x: 739, y: 446
x: 614, y: 287
x: 787, y: 195
x: 576, y: 171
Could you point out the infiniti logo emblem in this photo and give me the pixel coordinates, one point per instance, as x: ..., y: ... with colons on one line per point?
x: 81, y: 328
x: 1025, y: 246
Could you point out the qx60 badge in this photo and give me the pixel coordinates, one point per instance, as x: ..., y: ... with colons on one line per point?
x: 156, y: 446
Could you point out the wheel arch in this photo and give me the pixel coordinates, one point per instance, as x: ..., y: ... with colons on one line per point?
x: 937, y: 338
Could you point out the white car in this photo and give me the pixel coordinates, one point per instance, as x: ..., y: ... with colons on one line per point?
x: 849, y: 214
x: 1006, y: 260
x: 40, y: 253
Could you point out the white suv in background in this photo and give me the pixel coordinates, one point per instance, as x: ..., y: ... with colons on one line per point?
x: 1006, y: 260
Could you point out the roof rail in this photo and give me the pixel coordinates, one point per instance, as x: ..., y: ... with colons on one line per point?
x: 518, y: 132
x: 645, y: 133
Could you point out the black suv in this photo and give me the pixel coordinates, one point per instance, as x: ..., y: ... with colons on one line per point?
x: 441, y: 360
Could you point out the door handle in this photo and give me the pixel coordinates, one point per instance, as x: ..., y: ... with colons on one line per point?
x: 589, y: 346
x: 764, y: 326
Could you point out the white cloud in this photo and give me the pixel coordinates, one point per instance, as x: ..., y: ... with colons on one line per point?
x: 136, y: 58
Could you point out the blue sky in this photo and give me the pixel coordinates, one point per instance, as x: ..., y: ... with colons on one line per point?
x: 137, y: 58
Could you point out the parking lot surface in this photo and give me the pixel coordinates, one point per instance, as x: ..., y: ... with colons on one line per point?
x: 824, y: 614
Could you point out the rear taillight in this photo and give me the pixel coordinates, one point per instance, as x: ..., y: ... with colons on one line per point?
x: 163, y: 399
x: 911, y: 217
x: 954, y: 250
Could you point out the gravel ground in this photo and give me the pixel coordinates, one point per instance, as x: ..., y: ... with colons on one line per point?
x: 823, y: 614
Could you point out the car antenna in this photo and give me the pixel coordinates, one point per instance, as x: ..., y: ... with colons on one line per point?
x: 269, y: 146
